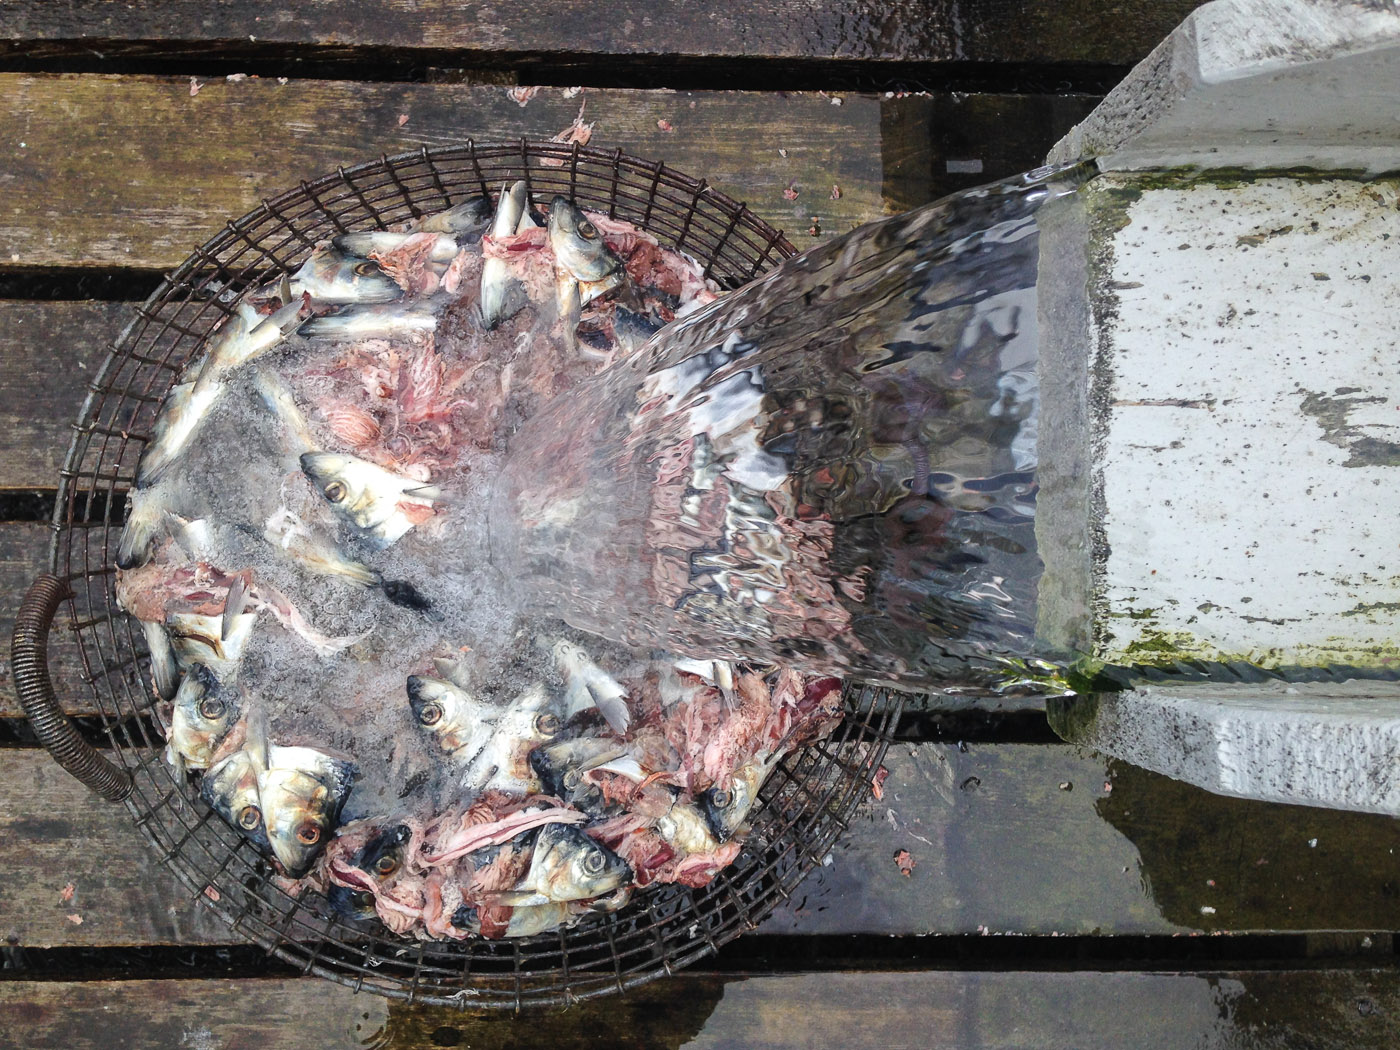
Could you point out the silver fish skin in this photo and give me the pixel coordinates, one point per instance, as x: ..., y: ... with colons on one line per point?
x: 578, y: 245
x: 466, y: 221
x: 302, y: 791
x: 231, y: 788
x: 458, y: 721
x: 366, y: 495
x: 199, y: 639
x: 371, y: 322
x: 726, y: 808
x: 205, y: 710
x: 314, y: 553
x: 245, y: 337
x: 588, y: 685
x: 502, y: 296
x: 381, y: 858
x: 329, y: 276
x: 362, y: 244
x: 684, y: 826
x: 276, y: 396
x: 504, y: 764
x: 179, y: 418
x: 567, y: 865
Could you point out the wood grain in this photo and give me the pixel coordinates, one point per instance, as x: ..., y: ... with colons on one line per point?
x: 135, y: 171
x: 49, y: 352
x: 23, y: 556
x: 1246, y: 1010
x: 1110, y: 32
x: 998, y: 846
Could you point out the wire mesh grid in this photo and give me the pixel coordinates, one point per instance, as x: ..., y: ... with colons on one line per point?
x: 804, y: 805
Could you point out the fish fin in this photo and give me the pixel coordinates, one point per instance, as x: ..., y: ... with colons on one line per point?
x: 163, y: 667
x: 517, y: 898
x: 256, y: 743
x: 432, y: 493
x: 284, y: 320
x: 284, y: 289
x: 234, y: 604
x: 626, y: 766
x: 613, y: 709
x: 139, y: 532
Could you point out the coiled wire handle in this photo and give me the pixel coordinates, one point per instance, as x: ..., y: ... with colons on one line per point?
x: 29, y: 658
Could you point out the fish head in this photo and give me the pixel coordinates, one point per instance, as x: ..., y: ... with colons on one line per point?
x: 333, y: 277
x: 459, y: 722
x: 531, y: 718
x: 727, y: 807
x: 347, y: 485
x: 578, y: 244
x: 302, y: 792
x: 383, y: 856
x: 205, y: 709
x: 231, y: 788
x: 466, y: 221
x: 351, y: 903
x: 560, y: 765
x: 568, y: 865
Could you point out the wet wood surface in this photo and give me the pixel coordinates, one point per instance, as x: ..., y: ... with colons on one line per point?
x: 1077, y: 31
x: 1243, y: 1009
x: 112, y: 170
x: 1000, y: 838
x: 136, y: 171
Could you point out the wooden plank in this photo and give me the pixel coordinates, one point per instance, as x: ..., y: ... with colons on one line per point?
x: 1109, y: 32
x: 57, y: 833
x: 1009, y: 838
x: 998, y: 846
x: 134, y: 171
x: 23, y: 556
x: 49, y: 352
x: 1322, y: 1009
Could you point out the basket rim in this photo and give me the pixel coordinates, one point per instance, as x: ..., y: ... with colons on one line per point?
x: 523, y: 150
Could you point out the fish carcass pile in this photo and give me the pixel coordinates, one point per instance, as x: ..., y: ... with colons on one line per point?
x: 336, y: 660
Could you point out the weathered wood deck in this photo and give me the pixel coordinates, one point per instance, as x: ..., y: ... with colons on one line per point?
x: 1058, y: 899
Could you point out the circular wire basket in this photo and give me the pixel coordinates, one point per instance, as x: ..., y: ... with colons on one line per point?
x: 804, y: 806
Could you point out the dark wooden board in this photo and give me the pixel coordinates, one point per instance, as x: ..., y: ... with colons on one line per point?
x: 1109, y: 32
x: 135, y: 171
x: 49, y: 352
x: 23, y: 556
x: 998, y: 847
x: 1246, y: 1010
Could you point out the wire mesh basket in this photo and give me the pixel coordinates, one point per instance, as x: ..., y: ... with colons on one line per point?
x: 804, y: 806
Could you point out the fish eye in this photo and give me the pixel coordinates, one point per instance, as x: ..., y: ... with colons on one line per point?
x: 594, y: 862
x: 386, y: 865
x: 547, y: 724
x: 308, y: 834
x: 721, y: 799
x: 334, y: 491
x: 249, y: 817
x: 211, y: 707
x: 587, y: 231
x: 365, y: 269
x: 430, y: 714
x: 363, y: 899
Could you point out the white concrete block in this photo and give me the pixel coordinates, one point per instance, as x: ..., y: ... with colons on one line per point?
x: 1257, y: 83
x: 1247, y: 416
x: 1316, y: 744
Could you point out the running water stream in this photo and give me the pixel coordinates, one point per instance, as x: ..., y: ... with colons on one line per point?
x: 834, y: 466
